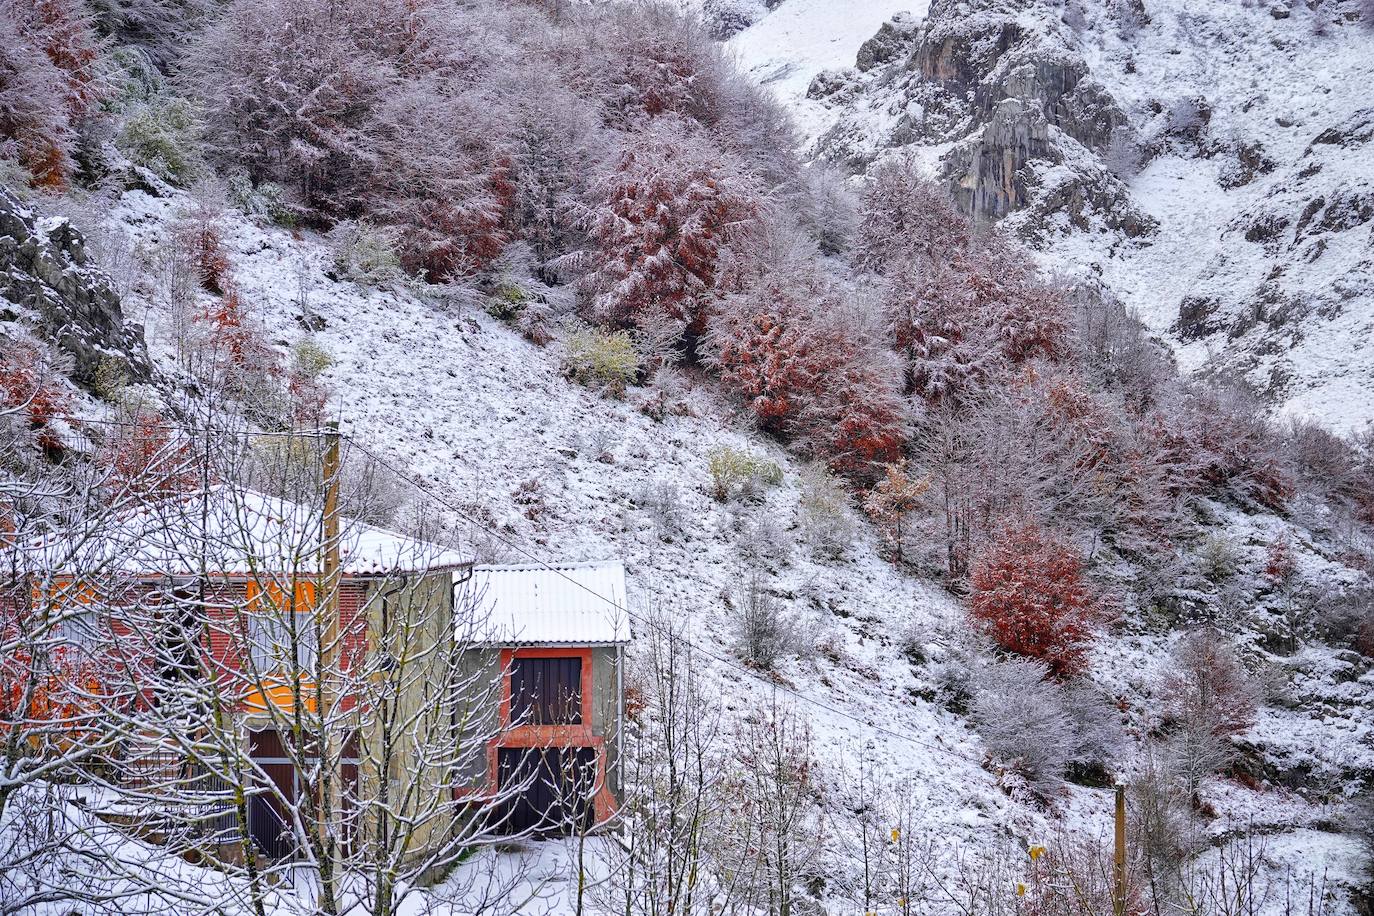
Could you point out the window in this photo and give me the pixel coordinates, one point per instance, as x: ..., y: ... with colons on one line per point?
x: 79, y: 627
x: 269, y: 634
x: 75, y: 609
x: 546, y: 691
x: 270, y: 623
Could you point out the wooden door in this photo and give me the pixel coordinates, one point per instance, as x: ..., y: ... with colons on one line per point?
x: 550, y: 789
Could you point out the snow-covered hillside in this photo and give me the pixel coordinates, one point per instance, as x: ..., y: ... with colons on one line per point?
x: 486, y: 420
x: 1240, y: 135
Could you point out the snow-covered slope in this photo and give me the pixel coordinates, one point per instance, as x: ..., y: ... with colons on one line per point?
x: 786, y: 49
x: 480, y: 417
x: 1212, y: 163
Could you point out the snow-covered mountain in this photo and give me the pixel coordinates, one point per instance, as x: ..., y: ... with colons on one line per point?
x: 1210, y: 163
x: 1206, y: 162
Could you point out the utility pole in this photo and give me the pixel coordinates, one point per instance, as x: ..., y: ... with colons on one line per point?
x: 329, y: 795
x: 1119, y: 865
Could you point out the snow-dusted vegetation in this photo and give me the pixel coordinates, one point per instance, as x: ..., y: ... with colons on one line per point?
x: 927, y: 547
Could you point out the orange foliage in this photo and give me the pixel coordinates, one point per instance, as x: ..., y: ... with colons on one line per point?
x: 1028, y: 594
x: 211, y: 263
x: 144, y: 461
x: 26, y: 384
x: 55, y: 702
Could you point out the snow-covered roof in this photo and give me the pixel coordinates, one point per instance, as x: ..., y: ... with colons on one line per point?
x: 569, y: 604
x: 231, y: 530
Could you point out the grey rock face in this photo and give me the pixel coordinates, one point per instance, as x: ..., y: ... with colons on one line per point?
x: 988, y: 176
x: 894, y: 41
x: 1008, y: 96
x: 47, y: 278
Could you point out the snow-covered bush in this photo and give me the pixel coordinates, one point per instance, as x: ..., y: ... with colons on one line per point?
x: 50, y: 81
x: 1218, y: 558
x: 606, y: 361
x: 163, y: 135
x: 1161, y: 819
x: 365, y: 253
x: 1028, y: 593
x: 1042, y: 729
x: 1022, y: 717
x: 739, y: 474
x: 764, y: 629
x: 310, y: 359
x: 671, y: 203
x: 1207, y: 686
x: 891, y: 501
x: 662, y: 503
x: 762, y: 541
x: 266, y: 199
x: 507, y: 301
x: 825, y: 513
x: 1349, y: 619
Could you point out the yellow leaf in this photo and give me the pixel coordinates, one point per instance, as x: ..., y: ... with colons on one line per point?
x: 1036, y: 852
x: 896, y: 834
x: 1020, y: 888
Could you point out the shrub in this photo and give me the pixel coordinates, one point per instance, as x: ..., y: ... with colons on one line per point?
x: 365, y: 253
x: 310, y: 359
x: 143, y: 460
x: 895, y: 497
x: 671, y: 203
x: 739, y: 474
x: 263, y: 199
x: 1218, y: 558
x: 763, y: 630
x: 111, y: 379
x: 200, y: 238
x: 1279, y: 562
x: 1042, y: 729
x: 1349, y: 619
x: 507, y: 301
x: 1028, y: 594
x: 1208, y: 687
x: 826, y: 522
x: 662, y: 502
x: 1021, y: 716
x: 163, y: 136
x: 763, y: 542
x: 602, y: 360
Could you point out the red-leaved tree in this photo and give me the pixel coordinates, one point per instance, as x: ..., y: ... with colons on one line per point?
x: 808, y: 374
x: 1028, y: 594
x: 664, y: 212
x: 143, y: 460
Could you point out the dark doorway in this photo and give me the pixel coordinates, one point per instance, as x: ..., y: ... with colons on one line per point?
x: 269, y: 809
x: 551, y: 789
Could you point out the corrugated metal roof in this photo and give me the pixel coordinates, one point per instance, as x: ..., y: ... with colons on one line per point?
x: 568, y: 604
x: 234, y: 531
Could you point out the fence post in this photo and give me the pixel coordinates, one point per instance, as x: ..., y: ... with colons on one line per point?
x: 1119, y: 865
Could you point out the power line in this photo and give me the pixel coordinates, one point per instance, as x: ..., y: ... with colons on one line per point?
x: 168, y: 426
x: 728, y: 662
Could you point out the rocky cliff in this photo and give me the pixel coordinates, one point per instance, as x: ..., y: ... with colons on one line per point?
x: 1209, y: 162
x: 49, y: 286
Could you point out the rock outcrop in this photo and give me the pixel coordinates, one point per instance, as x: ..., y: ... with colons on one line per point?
x: 1009, y: 97
x: 49, y: 283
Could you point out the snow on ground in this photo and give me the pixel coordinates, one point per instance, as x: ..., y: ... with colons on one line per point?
x: 472, y: 411
x: 800, y: 38
x: 1275, y: 84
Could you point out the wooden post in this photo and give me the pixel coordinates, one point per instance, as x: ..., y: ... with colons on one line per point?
x: 330, y: 627
x: 1119, y: 869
